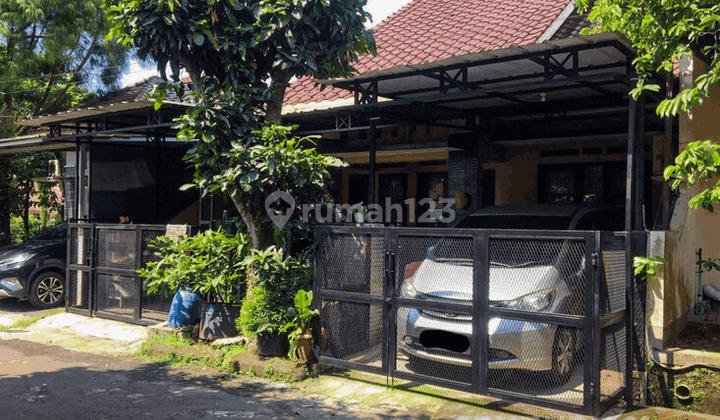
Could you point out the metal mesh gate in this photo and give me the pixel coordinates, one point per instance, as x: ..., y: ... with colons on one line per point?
x: 102, y: 277
x: 353, y: 303
x: 526, y: 316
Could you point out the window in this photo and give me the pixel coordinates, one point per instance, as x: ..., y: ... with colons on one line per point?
x: 599, y: 183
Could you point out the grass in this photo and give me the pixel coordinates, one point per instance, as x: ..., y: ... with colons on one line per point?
x: 26, y: 322
x: 177, y: 351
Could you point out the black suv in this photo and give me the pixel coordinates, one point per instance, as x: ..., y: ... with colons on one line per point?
x: 35, y: 269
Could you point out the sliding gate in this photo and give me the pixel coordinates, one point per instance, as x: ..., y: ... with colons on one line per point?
x: 526, y: 316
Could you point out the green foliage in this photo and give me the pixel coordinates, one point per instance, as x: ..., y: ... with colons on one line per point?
x: 241, y: 56
x: 283, y: 273
x: 302, y: 320
x: 699, y: 161
x: 48, y: 47
x: 710, y: 264
x: 17, y: 225
x: 251, y: 168
x: 26, y: 322
x: 277, y: 277
x: 24, y: 189
x: 262, y: 313
x: 244, y: 43
x: 209, y: 263
x: 648, y: 269
x: 662, y: 32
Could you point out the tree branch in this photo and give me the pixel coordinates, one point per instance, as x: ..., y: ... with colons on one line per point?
x: 75, y: 78
x: 48, y: 88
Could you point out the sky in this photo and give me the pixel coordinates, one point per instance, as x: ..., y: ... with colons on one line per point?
x: 379, y: 9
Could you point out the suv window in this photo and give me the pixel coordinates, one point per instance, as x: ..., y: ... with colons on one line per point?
x: 56, y: 232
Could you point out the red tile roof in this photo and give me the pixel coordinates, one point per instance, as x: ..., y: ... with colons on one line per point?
x: 433, y: 30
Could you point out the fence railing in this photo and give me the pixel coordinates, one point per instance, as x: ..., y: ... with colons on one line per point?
x: 527, y: 316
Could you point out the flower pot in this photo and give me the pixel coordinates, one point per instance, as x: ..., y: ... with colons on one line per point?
x: 185, y: 309
x: 304, y: 347
x: 218, y: 320
x: 272, y: 345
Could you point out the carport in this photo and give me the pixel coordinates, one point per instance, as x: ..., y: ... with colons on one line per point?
x: 122, y: 160
x: 552, y: 93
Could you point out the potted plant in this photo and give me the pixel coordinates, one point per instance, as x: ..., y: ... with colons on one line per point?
x: 262, y: 317
x: 208, y: 264
x: 274, y: 277
x: 300, y: 328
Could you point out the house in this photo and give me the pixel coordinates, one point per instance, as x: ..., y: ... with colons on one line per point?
x: 122, y: 161
x: 475, y: 98
x: 480, y: 103
x: 490, y: 103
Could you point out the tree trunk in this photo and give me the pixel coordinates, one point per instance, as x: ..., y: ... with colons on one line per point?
x: 5, y: 236
x: 273, y: 108
x: 247, y: 217
x: 26, y: 214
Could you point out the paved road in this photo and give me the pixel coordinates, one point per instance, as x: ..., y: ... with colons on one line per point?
x: 47, y: 382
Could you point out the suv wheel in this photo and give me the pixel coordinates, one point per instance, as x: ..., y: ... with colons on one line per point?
x: 47, y: 290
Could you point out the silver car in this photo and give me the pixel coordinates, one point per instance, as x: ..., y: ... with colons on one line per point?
x: 532, y: 276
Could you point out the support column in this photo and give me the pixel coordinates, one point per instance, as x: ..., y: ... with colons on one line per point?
x: 635, y: 226
x: 371, y: 164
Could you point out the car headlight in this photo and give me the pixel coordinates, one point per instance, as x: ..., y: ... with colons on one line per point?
x: 407, y: 290
x: 533, y: 302
x: 15, y: 262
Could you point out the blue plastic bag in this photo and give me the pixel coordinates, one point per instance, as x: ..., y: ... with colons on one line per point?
x: 185, y: 309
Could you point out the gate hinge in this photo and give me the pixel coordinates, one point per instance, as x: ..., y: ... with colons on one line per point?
x: 595, y: 260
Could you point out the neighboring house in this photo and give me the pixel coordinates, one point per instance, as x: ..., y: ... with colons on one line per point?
x: 121, y: 160
x: 672, y: 300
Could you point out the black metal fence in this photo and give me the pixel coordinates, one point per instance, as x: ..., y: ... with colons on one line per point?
x: 527, y: 316
x: 101, y: 276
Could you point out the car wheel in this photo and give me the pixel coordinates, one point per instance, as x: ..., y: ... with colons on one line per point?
x: 47, y: 290
x: 563, y: 355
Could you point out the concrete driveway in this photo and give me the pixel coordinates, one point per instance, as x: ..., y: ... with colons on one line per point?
x: 70, y: 331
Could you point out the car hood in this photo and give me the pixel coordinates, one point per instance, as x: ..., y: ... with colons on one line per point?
x: 453, y: 280
x: 31, y: 247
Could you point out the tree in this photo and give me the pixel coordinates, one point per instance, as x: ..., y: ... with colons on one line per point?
x: 27, y: 190
x: 240, y: 56
x: 51, y: 46
x: 662, y: 32
x: 48, y: 49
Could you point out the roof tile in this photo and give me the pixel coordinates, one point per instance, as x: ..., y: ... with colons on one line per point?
x: 432, y: 30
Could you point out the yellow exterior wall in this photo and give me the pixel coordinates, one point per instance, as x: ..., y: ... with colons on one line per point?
x: 673, y: 301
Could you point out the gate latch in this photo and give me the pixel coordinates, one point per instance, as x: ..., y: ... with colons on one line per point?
x: 594, y: 260
x: 388, y: 301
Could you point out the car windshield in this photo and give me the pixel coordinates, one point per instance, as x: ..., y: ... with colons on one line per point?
x: 515, y: 222
x: 508, y: 252
x: 56, y: 232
